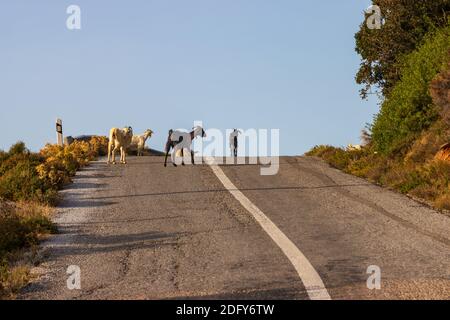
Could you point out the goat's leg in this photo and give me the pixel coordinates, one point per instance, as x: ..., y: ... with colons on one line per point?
x: 182, y: 156
x: 113, y: 154
x: 165, y: 159
x: 174, y: 153
x: 110, y: 150
x: 189, y: 151
x: 123, y: 154
x: 192, y: 157
x: 168, y: 147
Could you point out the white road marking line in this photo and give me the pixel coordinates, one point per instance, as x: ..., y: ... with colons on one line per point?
x: 308, y: 275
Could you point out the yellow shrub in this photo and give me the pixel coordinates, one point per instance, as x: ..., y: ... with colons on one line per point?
x: 63, y: 162
x: 99, y: 145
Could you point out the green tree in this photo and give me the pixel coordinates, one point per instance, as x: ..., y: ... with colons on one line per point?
x: 406, y: 22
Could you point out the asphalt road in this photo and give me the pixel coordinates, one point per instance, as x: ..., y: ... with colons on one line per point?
x: 142, y: 231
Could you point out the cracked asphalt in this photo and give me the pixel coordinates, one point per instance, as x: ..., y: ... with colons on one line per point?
x: 142, y: 231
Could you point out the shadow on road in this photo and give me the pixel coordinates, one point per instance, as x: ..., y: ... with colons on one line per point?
x: 122, y: 221
x: 90, y: 243
x: 85, y: 185
x: 85, y: 204
x: 287, y: 293
x: 224, y: 190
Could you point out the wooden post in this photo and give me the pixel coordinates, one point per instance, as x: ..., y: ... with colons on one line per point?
x: 59, y: 132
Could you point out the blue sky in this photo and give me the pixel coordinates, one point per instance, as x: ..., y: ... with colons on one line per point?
x: 162, y: 64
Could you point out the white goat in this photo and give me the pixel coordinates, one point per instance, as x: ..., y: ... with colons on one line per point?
x: 119, y: 139
x: 139, y: 141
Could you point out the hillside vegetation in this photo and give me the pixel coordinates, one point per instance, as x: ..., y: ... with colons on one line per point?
x: 412, y: 125
x: 406, y: 24
x: 29, y: 184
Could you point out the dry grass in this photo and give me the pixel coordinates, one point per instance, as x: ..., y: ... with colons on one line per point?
x: 415, y: 172
x: 22, y: 226
x: 443, y: 202
x: 12, y: 279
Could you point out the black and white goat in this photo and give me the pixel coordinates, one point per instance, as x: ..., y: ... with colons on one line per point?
x: 178, y: 140
x: 234, y: 142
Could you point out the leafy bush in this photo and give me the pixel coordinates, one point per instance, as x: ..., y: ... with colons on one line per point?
x: 18, y: 148
x: 61, y: 163
x: 100, y: 145
x: 23, y: 182
x: 321, y: 151
x: 19, y: 179
x: 337, y: 157
x: 409, y: 109
x: 371, y: 166
x: 38, y: 176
